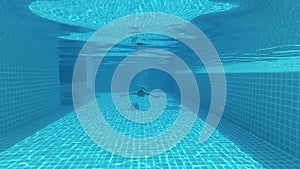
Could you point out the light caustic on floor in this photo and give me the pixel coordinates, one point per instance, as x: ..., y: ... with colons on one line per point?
x: 64, y: 144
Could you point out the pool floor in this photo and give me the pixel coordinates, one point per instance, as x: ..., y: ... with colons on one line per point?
x: 63, y: 144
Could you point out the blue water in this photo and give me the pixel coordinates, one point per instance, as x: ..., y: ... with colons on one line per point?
x: 258, y: 42
x: 64, y: 144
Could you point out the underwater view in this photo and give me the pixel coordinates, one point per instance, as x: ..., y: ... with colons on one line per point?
x: 150, y: 84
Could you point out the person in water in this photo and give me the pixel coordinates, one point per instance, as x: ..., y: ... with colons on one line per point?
x: 141, y: 92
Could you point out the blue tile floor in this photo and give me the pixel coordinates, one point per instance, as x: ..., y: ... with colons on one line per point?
x: 63, y: 144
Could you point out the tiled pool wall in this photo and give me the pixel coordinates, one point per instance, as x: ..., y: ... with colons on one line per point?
x: 266, y: 104
x: 26, y: 95
x: 29, y: 76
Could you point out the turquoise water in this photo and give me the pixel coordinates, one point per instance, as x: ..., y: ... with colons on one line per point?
x: 258, y: 43
x: 94, y: 14
x: 263, y: 58
x: 64, y: 144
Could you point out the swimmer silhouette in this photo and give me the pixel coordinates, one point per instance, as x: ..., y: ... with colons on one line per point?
x: 141, y: 92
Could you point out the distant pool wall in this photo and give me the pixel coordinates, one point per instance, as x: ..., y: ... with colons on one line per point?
x: 265, y: 104
x: 29, y: 76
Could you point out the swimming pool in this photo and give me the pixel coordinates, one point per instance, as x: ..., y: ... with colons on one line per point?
x: 60, y: 109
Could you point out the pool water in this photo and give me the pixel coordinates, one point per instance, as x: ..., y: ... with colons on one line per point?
x: 64, y: 144
x: 45, y: 121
